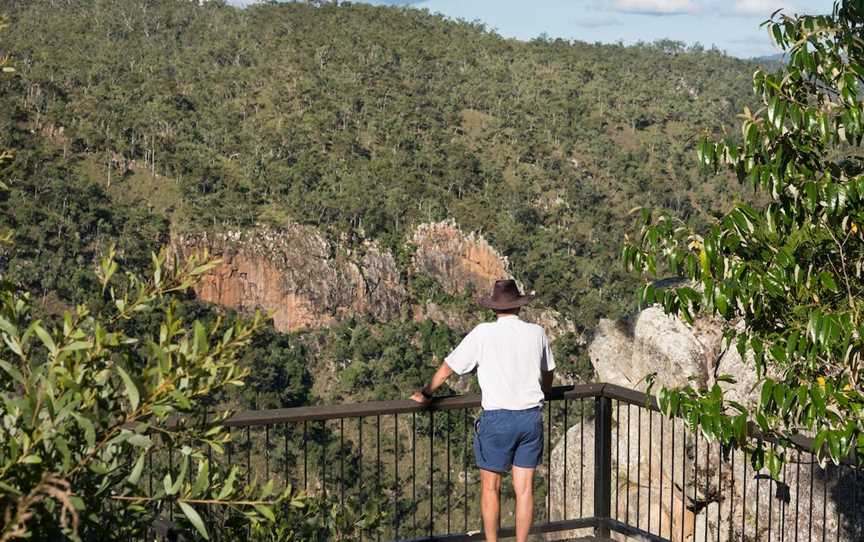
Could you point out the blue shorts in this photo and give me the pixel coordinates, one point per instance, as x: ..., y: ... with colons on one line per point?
x: 504, y: 438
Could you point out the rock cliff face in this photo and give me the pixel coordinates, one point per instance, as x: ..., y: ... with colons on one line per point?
x: 307, y: 281
x: 461, y: 263
x: 303, y: 279
x: 703, y: 495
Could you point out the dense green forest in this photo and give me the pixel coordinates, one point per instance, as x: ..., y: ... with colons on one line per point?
x: 133, y: 118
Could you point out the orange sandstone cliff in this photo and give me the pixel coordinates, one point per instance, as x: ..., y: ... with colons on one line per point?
x: 307, y: 281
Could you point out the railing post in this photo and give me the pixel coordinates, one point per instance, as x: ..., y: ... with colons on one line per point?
x: 602, y: 464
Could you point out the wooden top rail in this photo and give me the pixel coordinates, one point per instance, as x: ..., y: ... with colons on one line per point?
x: 251, y: 418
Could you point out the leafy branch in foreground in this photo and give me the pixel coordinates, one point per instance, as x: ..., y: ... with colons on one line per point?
x: 82, y: 402
x: 785, y: 276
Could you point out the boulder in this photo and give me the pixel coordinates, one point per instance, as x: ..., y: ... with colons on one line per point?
x: 706, y: 495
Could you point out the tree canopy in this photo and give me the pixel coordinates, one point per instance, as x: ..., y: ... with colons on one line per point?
x: 363, y: 121
x: 785, y: 275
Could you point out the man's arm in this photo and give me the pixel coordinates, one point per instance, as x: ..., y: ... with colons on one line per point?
x: 441, y: 375
x: 546, y: 381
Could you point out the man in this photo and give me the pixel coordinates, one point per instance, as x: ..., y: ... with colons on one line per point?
x: 514, y: 367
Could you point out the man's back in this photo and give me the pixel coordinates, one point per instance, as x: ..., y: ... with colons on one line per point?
x: 514, y: 365
x: 510, y: 355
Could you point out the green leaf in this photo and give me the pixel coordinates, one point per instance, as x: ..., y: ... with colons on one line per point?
x: 87, y: 426
x: 266, y: 512
x: 45, y: 337
x: 135, y: 475
x: 139, y: 440
x: 828, y: 281
x: 194, y: 519
x: 228, y: 486
x: 77, y: 345
x: 13, y: 372
x: 202, y: 479
x: 131, y: 389
x: 767, y: 390
x: 7, y: 327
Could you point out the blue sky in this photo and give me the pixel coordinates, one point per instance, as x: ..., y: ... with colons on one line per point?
x: 731, y: 25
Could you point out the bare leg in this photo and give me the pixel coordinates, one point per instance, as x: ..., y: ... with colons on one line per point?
x: 523, y: 487
x: 490, y: 488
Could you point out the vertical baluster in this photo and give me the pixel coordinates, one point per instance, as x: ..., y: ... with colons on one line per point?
x: 549, y: 461
x: 627, y: 495
x: 838, y: 489
x: 824, y: 502
x: 770, y: 500
x: 707, y: 481
x: 731, y: 494
x: 756, y: 478
x: 431, y: 470
x: 360, y: 488
x: 378, y: 462
x: 248, y: 445
x: 582, y: 455
x: 378, y: 453
x: 285, y: 462
x: 447, y: 490
x: 719, y: 485
x: 617, y: 453
x: 566, y: 427
x: 397, y: 491
x: 342, y: 463
x: 810, y: 520
x: 323, y: 460
x: 465, y: 467
x: 781, y: 524
x: 266, y: 452
x: 305, y: 455
x: 639, y: 462
x: 672, y: 478
x: 684, y: 475
x: 650, y: 456
x: 695, y: 473
x: 743, y: 496
x: 660, y: 466
x: 414, y: 466
x: 797, y: 489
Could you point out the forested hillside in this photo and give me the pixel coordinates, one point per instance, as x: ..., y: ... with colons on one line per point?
x: 134, y: 119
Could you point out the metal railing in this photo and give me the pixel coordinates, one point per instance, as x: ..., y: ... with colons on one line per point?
x: 612, y: 464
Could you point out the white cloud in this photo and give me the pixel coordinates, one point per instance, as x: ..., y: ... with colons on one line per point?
x: 758, y: 7
x: 657, y: 7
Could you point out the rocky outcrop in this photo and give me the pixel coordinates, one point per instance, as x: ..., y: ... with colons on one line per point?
x: 308, y: 281
x: 297, y: 275
x: 461, y: 263
x: 703, y: 489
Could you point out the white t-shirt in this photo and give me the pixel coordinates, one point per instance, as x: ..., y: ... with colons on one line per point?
x: 510, y: 355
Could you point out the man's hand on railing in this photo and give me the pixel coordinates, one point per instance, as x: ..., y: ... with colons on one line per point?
x: 419, y: 397
x: 424, y: 395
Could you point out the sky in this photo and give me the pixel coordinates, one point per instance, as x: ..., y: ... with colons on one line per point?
x: 730, y: 25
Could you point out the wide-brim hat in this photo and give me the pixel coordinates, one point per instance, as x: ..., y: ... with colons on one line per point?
x: 505, y: 295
